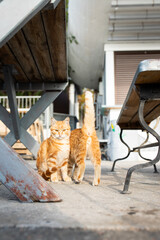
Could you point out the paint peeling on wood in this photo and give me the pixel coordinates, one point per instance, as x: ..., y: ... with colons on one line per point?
x: 21, y: 179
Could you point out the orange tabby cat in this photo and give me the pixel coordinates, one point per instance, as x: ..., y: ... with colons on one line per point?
x: 84, y: 142
x: 52, y: 158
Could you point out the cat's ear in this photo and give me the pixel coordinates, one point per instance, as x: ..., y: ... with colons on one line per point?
x: 67, y: 120
x: 53, y: 121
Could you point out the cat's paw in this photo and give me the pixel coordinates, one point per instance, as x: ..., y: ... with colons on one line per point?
x: 77, y: 181
x: 60, y: 178
x: 96, y: 182
x: 74, y: 178
x: 67, y: 179
x: 69, y: 174
x: 54, y: 179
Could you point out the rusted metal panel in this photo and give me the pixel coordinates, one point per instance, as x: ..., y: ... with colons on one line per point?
x: 21, y: 179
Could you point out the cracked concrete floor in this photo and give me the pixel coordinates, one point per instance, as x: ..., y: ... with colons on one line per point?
x: 88, y: 212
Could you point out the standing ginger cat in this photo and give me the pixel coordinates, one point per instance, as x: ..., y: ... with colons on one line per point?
x: 84, y: 142
x: 52, y: 158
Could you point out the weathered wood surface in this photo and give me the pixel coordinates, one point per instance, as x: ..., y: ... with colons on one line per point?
x: 38, y: 50
x: 148, y: 72
x: 37, y: 42
x: 20, y: 50
x: 21, y: 179
x: 14, y: 14
x: 57, y: 42
x: 7, y: 57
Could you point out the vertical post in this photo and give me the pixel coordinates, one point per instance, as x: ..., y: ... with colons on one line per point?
x: 71, y: 99
x: 10, y: 87
x: 109, y: 78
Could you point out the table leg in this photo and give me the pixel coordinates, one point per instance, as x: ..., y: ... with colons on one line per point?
x: 120, y: 159
x: 144, y: 165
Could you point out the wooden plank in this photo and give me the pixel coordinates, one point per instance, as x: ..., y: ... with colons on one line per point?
x: 131, y: 119
x: 54, y: 22
x: 23, y: 55
x: 148, y: 77
x: 43, y: 56
x: 21, y: 149
x: 129, y: 126
x: 6, y: 57
x: 148, y: 72
x: 15, y: 15
x: 152, y: 110
x: 36, y: 38
x: 130, y: 108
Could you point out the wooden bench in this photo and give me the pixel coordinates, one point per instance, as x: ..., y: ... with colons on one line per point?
x: 33, y: 58
x: 141, y: 106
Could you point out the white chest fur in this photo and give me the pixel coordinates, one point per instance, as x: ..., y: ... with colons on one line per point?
x: 63, y: 153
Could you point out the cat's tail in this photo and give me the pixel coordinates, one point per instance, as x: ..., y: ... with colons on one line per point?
x: 89, y: 116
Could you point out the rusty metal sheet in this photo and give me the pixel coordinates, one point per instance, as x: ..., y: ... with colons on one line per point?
x: 21, y: 179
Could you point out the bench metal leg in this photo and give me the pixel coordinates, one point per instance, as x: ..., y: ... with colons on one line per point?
x: 147, y: 159
x: 151, y: 163
x: 120, y: 159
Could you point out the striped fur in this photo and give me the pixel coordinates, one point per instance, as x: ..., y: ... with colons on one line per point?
x: 52, y: 158
x: 83, y: 143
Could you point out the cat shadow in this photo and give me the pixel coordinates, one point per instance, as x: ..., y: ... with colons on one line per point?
x: 87, y: 181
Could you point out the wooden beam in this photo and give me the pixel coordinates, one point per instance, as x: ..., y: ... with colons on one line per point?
x: 36, y: 86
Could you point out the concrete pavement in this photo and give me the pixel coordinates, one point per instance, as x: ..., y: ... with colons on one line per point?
x: 88, y: 212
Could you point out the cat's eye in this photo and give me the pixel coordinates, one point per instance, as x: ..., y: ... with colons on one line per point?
x: 65, y: 130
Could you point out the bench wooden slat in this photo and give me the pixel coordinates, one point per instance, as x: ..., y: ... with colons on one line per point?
x: 148, y: 72
x: 20, y: 49
x: 57, y: 42
x: 35, y: 35
x: 7, y: 57
x: 38, y: 50
x: 148, y: 77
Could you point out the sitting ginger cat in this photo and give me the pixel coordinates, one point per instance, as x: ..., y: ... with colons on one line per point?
x: 52, y: 157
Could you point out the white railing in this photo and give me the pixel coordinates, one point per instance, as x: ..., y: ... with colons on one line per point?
x: 24, y: 103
